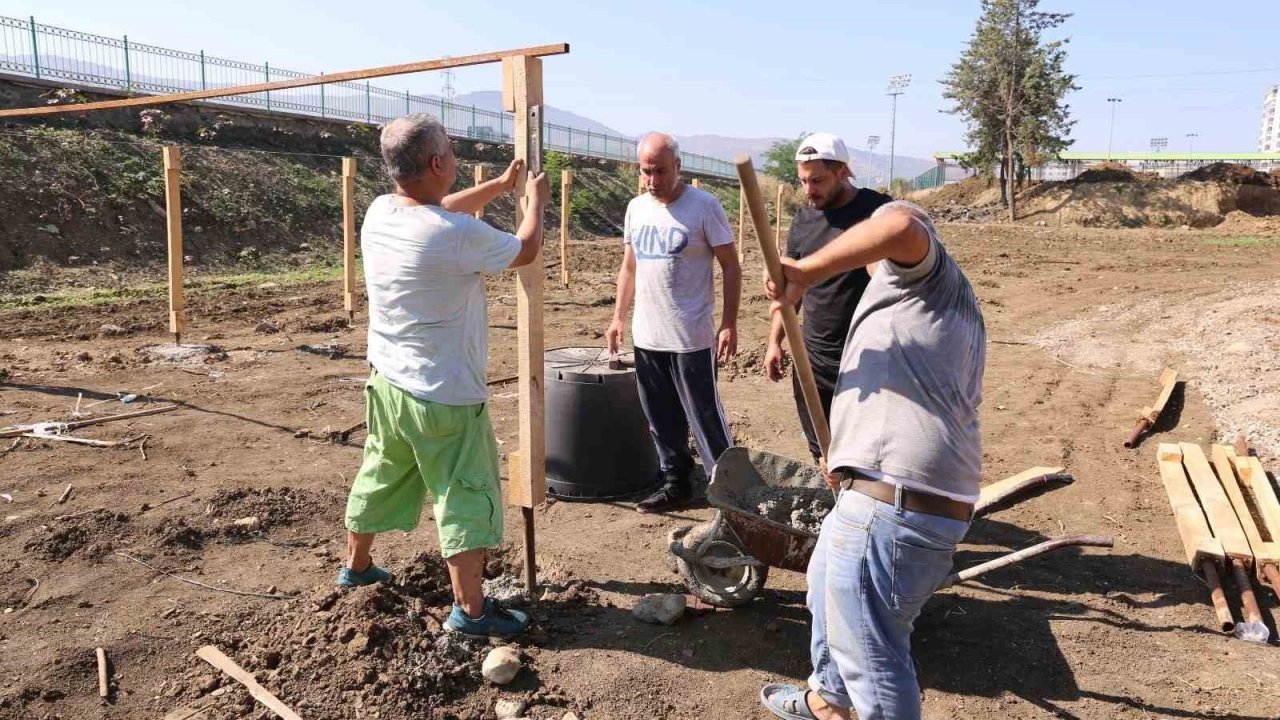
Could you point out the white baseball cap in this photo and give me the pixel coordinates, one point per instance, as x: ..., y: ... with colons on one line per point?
x: 822, y: 146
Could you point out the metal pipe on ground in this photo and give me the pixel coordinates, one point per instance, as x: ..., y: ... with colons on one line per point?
x: 1226, y: 623
x: 1026, y: 553
x: 1253, y: 628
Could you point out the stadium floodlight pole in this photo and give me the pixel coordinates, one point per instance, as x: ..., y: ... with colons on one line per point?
x: 897, y: 86
x: 1191, y: 142
x: 1112, y: 132
x: 1159, y: 144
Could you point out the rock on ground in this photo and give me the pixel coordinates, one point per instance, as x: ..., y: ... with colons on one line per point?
x: 659, y: 609
x: 501, y: 665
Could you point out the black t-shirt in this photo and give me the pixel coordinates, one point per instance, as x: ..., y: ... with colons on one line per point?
x: 828, y: 306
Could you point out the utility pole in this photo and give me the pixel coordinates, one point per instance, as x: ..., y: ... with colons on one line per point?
x: 1112, y: 132
x: 897, y: 86
x: 872, y: 142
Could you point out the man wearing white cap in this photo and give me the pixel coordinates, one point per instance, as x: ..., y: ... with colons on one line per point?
x: 834, y: 205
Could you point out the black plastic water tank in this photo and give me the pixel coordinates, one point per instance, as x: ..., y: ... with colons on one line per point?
x: 598, y: 442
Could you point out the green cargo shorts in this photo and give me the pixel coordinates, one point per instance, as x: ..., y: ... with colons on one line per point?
x: 415, y: 448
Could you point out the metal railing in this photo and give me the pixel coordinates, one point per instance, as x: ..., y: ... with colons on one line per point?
x: 52, y: 53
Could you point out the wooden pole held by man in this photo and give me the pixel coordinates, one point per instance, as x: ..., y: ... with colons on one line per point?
x: 799, y: 354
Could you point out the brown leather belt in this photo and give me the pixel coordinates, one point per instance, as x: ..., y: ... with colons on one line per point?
x: 912, y: 500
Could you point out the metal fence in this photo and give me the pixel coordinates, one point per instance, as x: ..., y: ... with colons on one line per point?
x: 54, y: 53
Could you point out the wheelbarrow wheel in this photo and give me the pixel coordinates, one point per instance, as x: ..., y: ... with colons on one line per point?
x: 725, y: 587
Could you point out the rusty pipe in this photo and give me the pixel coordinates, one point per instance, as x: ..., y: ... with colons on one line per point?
x: 1210, y: 571
x: 1138, y: 429
x: 1248, y: 601
x: 1026, y: 553
x: 1272, y: 574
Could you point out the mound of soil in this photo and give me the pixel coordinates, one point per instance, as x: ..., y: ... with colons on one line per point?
x: 380, y: 649
x: 1232, y: 174
x: 1113, y: 172
x: 89, y: 536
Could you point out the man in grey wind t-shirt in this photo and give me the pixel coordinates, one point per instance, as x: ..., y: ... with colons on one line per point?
x: 906, y: 452
x: 672, y: 234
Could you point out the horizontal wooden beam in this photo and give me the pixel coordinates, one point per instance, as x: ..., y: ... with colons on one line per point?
x: 385, y: 71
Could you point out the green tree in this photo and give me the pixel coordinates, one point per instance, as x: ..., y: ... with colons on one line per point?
x: 780, y: 160
x: 1010, y: 87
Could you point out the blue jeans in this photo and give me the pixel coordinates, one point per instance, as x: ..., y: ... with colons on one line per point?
x: 872, y: 571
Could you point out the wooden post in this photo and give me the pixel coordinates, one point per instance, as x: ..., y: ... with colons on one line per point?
x: 639, y: 181
x: 777, y: 238
x: 173, y: 219
x: 527, y: 486
x: 697, y: 182
x: 479, y: 174
x: 742, y: 214
x: 566, y: 179
x: 349, y: 237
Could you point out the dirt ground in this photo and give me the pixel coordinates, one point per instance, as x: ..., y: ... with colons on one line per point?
x: 1120, y: 633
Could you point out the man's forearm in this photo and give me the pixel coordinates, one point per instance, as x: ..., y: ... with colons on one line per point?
x: 895, y: 236
x: 732, y: 295
x: 473, y: 199
x: 626, y: 293
x: 777, y: 330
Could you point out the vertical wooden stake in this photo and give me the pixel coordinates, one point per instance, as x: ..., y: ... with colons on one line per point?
x: 566, y: 179
x: 742, y: 214
x: 639, y: 181
x: 173, y: 218
x: 527, y: 487
x: 479, y: 179
x: 777, y: 238
x: 349, y: 237
x: 697, y: 182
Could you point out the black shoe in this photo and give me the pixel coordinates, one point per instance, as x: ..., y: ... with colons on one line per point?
x: 671, y: 496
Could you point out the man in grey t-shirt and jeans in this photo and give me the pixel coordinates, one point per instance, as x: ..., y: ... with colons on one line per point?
x: 672, y: 233
x: 906, y: 454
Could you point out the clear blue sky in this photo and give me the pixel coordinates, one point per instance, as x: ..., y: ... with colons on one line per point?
x: 749, y: 68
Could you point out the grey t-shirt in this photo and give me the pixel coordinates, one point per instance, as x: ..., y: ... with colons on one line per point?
x: 906, y: 402
x: 675, y: 292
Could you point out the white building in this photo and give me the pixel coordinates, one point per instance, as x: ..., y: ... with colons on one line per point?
x: 1269, y: 140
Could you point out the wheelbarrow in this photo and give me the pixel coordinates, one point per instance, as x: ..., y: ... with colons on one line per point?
x: 725, y: 561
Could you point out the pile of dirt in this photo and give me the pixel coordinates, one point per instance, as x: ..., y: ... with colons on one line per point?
x: 974, y: 191
x: 802, y: 508
x: 1238, y: 221
x: 1113, y: 172
x: 1232, y: 174
x: 269, y: 508
x: 380, y: 649
x: 89, y: 536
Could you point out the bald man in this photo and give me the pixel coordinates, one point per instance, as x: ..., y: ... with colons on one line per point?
x: 671, y: 235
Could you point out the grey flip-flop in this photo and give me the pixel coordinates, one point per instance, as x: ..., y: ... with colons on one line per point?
x: 786, y: 701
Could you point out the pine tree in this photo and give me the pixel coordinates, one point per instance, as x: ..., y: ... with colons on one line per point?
x: 1010, y: 87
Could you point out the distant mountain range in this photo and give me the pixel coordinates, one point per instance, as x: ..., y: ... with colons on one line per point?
x: 870, y: 168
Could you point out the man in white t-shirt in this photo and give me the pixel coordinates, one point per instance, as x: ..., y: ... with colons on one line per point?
x: 429, y: 435
x: 671, y: 235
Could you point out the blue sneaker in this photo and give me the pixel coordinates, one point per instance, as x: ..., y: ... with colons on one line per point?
x: 497, y: 621
x: 370, y: 575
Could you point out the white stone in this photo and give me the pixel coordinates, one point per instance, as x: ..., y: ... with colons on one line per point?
x: 508, y: 709
x: 659, y: 609
x: 501, y: 665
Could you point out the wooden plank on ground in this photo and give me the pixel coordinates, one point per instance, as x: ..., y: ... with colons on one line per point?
x: 216, y: 658
x: 197, y: 710
x: 1224, y: 461
x: 1222, y: 517
x: 1254, y: 477
x: 1168, y: 379
x: 1197, y: 540
x: 1010, y: 485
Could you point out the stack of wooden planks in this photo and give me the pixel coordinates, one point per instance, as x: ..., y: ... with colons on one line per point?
x: 1228, y: 517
